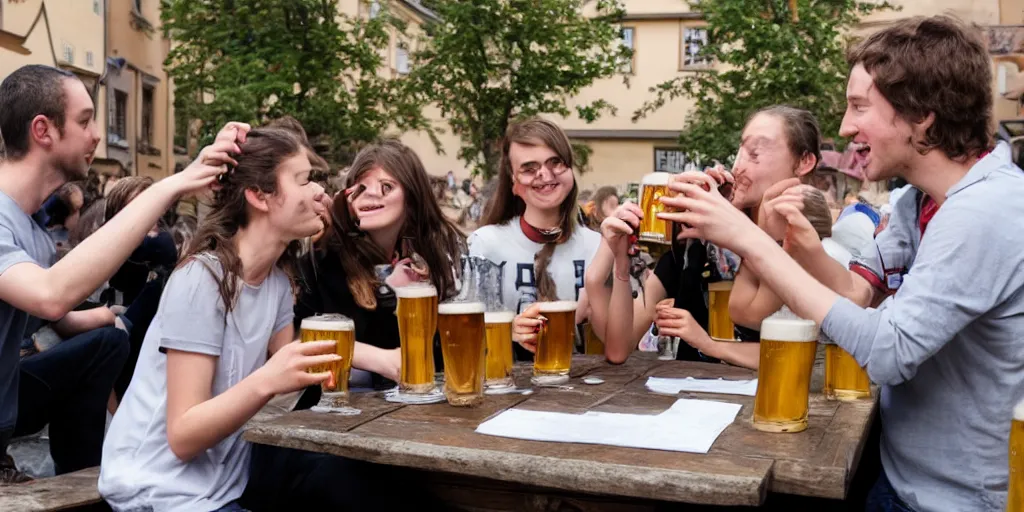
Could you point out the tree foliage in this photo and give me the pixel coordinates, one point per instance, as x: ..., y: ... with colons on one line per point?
x: 487, y: 61
x: 765, y: 55
x: 255, y: 60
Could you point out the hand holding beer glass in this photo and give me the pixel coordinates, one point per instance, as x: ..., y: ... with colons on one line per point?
x: 652, y: 187
x: 787, y: 347
x: 555, y: 341
x: 417, y: 323
x: 341, y: 330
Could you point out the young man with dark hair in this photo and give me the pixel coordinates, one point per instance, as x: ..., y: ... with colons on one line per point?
x: 49, y: 131
x: 946, y: 346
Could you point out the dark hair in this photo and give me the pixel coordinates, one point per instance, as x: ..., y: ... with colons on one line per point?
x: 289, y: 123
x: 88, y: 222
x: 426, y: 232
x: 28, y: 92
x: 817, y: 212
x: 803, y: 137
x: 938, y: 66
x: 262, y: 153
x: 62, y: 208
x: 123, y: 192
x: 505, y: 205
x: 600, y: 197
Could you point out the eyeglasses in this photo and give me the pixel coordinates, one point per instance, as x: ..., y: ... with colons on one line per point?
x: 529, y: 171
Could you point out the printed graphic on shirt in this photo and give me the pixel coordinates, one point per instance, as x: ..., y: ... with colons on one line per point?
x: 526, y: 283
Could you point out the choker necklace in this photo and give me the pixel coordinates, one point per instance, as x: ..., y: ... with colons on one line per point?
x: 537, y: 235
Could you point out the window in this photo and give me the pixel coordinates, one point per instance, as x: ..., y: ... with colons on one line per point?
x: 88, y: 59
x: 96, y: 6
x: 374, y: 9
x: 147, y: 115
x: 628, y: 41
x: 117, y: 132
x: 694, y: 41
x: 69, y: 53
x: 402, y: 58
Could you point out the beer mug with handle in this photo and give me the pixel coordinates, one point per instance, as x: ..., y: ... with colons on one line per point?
x: 498, y: 320
x: 341, y: 330
x: 461, y: 324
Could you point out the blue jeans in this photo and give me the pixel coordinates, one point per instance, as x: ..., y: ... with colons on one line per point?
x: 883, y: 498
x: 68, y: 387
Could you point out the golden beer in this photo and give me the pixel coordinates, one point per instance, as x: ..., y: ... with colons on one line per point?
x: 417, y: 323
x: 845, y: 380
x: 499, y: 349
x: 720, y: 326
x: 592, y: 343
x: 1015, y: 496
x: 342, y: 331
x: 784, y: 374
x: 463, y: 344
x: 652, y: 187
x: 554, y: 343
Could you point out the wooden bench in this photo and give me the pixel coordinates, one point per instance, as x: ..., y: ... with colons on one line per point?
x: 73, y: 491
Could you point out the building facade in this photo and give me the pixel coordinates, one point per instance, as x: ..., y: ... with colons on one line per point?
x: 117, y: 51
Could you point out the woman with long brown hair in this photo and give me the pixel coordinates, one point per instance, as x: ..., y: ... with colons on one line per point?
x: 220, y: 347
x: 532, y: 225
x: 387, y: 215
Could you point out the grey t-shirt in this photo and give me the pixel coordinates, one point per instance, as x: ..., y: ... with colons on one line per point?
x: 947, y: 347
x: 139, y: 470
x: 21, y: 240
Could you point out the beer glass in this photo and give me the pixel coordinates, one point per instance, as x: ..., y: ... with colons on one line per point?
x: 462, y: 327
x: 784, y: 375
x: 1015, y: 496
x: 720, y: 326
x: 417, y: 323
x: 554, y: 343
x: 342, y: 331
x: 652, y: 187
x: 499, y: 349
x: 845, y: 380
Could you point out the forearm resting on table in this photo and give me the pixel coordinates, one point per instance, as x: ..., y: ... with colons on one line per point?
x: 52, y: 293
x: 743, y: 354
x: 205, y: 424
x: 374, y: 359
x: 77, y: 322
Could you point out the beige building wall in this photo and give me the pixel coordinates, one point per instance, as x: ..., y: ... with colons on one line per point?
x: 64, y: 33
x: 147, y: 148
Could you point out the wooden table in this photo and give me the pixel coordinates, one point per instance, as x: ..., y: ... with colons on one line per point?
x: 742, y: 466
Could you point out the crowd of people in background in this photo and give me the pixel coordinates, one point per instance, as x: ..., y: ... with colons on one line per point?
x: 173, y: 306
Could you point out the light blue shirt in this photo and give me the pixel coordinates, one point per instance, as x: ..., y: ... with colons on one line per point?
x: 948, y: 347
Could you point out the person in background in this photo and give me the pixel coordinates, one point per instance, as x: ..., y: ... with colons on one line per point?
x: 48, y: 126
x: 606, y: 200
x: 532, y: 224
x: 60, y: 214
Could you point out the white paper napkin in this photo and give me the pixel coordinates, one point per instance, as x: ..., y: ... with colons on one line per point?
x: 687, y: 426
x: 666, y: 386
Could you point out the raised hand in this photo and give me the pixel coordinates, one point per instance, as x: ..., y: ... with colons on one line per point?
x: 620, y: 226
x: 286, y: 370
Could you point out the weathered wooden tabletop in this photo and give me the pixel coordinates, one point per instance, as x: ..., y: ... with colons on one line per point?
x: 742, y: 466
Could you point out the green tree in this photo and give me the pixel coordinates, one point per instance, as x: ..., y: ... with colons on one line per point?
x: 255, y: 60
x: 766, y: 53
x: 488, y: 61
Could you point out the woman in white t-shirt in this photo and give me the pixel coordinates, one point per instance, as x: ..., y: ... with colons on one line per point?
x: 532, y: 226
x: 175, y: 442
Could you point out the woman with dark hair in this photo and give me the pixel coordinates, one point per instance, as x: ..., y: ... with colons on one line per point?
x: 779, y: 143
x: 532, y: 225
x: 387, y: 215
x: 220, y: 347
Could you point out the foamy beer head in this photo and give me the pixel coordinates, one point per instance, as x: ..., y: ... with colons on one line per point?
x: 416, y: 291
x: 499, y: 317
x: 328, y: 323
x: 461, y: 308
x: 652, y: 187
x: 784, y: 375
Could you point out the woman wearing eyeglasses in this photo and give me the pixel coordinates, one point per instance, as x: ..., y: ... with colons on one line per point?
x: 532, y: 225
